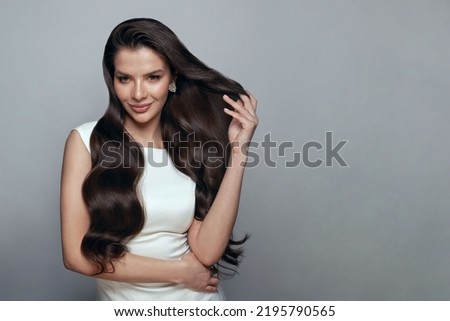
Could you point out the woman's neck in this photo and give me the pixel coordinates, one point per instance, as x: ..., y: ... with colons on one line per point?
x: 149, y: 134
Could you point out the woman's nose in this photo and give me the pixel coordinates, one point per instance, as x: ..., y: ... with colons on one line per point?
x: 138, y: 92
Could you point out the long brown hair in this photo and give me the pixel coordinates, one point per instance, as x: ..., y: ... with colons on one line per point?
x: 191, y: 117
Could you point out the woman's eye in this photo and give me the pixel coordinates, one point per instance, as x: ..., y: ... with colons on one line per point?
x: 154, y: 77
x: 123, y: 79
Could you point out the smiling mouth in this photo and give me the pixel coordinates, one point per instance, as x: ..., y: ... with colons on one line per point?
x: 140, y: 108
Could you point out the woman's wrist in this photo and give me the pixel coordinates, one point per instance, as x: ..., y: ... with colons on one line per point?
x: 238, y: 156
x: 179, y: 268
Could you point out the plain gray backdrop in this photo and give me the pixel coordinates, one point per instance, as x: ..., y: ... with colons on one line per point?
x: 374, y: 73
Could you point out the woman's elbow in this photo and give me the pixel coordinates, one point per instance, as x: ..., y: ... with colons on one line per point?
x: 208, y: 259
x: 78, y: 265
x: 206, y: 253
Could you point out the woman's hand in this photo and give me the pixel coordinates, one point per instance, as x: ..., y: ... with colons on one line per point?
x: 196, y: 276
x: 244, y: 122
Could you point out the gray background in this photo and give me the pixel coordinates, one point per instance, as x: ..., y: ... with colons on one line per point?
x: 375, y: 73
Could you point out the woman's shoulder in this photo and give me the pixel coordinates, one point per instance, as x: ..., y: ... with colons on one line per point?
x: 85, y: 131
x: 86, y: 127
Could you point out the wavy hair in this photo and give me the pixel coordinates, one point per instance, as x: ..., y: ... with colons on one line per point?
x: 191, y: 117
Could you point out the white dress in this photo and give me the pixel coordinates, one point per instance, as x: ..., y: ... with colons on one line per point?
x: 169, y: 201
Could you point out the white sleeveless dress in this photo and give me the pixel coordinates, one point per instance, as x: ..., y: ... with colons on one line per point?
x: 169, y: 201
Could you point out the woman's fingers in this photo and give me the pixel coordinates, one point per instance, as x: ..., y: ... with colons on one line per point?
x: 235, y: 104
x: 244, y: 116
x: 243, y: 106
x: 211, y: 288
x: 235, y: 114
x: 249, y: 104
x: 214, y: 281
x: 252, y: 99
x: 212, y: 284
x: 199, y: 277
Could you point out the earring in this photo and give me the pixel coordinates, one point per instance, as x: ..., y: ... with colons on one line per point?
x: 172, y: 87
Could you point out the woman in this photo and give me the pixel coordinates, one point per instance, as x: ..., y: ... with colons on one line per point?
x: 150, y: 192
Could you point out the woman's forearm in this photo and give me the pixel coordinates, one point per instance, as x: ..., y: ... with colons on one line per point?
x: 208, y: 240
x: 129, y: 268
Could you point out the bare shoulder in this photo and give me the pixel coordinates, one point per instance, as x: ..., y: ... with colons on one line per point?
x: 74, y: 141
x: 76, y: 151
x: 76, y: 162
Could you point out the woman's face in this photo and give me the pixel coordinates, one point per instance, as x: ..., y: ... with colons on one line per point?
x: 141, y: 82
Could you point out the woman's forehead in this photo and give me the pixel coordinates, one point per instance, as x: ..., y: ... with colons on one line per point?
x: 139, y: 60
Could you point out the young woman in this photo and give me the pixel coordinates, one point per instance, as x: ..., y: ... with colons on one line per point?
x: 150, y: 192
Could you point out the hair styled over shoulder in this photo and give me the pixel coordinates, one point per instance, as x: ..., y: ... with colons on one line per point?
x: 191, y: 117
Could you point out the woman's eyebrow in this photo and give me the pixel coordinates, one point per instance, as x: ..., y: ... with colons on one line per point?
x: 150, y: 73
x: 156, y: 71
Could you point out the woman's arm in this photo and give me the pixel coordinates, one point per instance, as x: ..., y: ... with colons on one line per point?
x: 130, y: 268
x: 208, y: 238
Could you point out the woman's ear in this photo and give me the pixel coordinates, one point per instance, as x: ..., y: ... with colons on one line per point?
x: 174, y: 77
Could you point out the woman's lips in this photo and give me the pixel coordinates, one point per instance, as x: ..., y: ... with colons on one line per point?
x: 142, y: 108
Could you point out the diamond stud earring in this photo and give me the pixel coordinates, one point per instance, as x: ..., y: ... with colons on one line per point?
x: 172, y: 87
